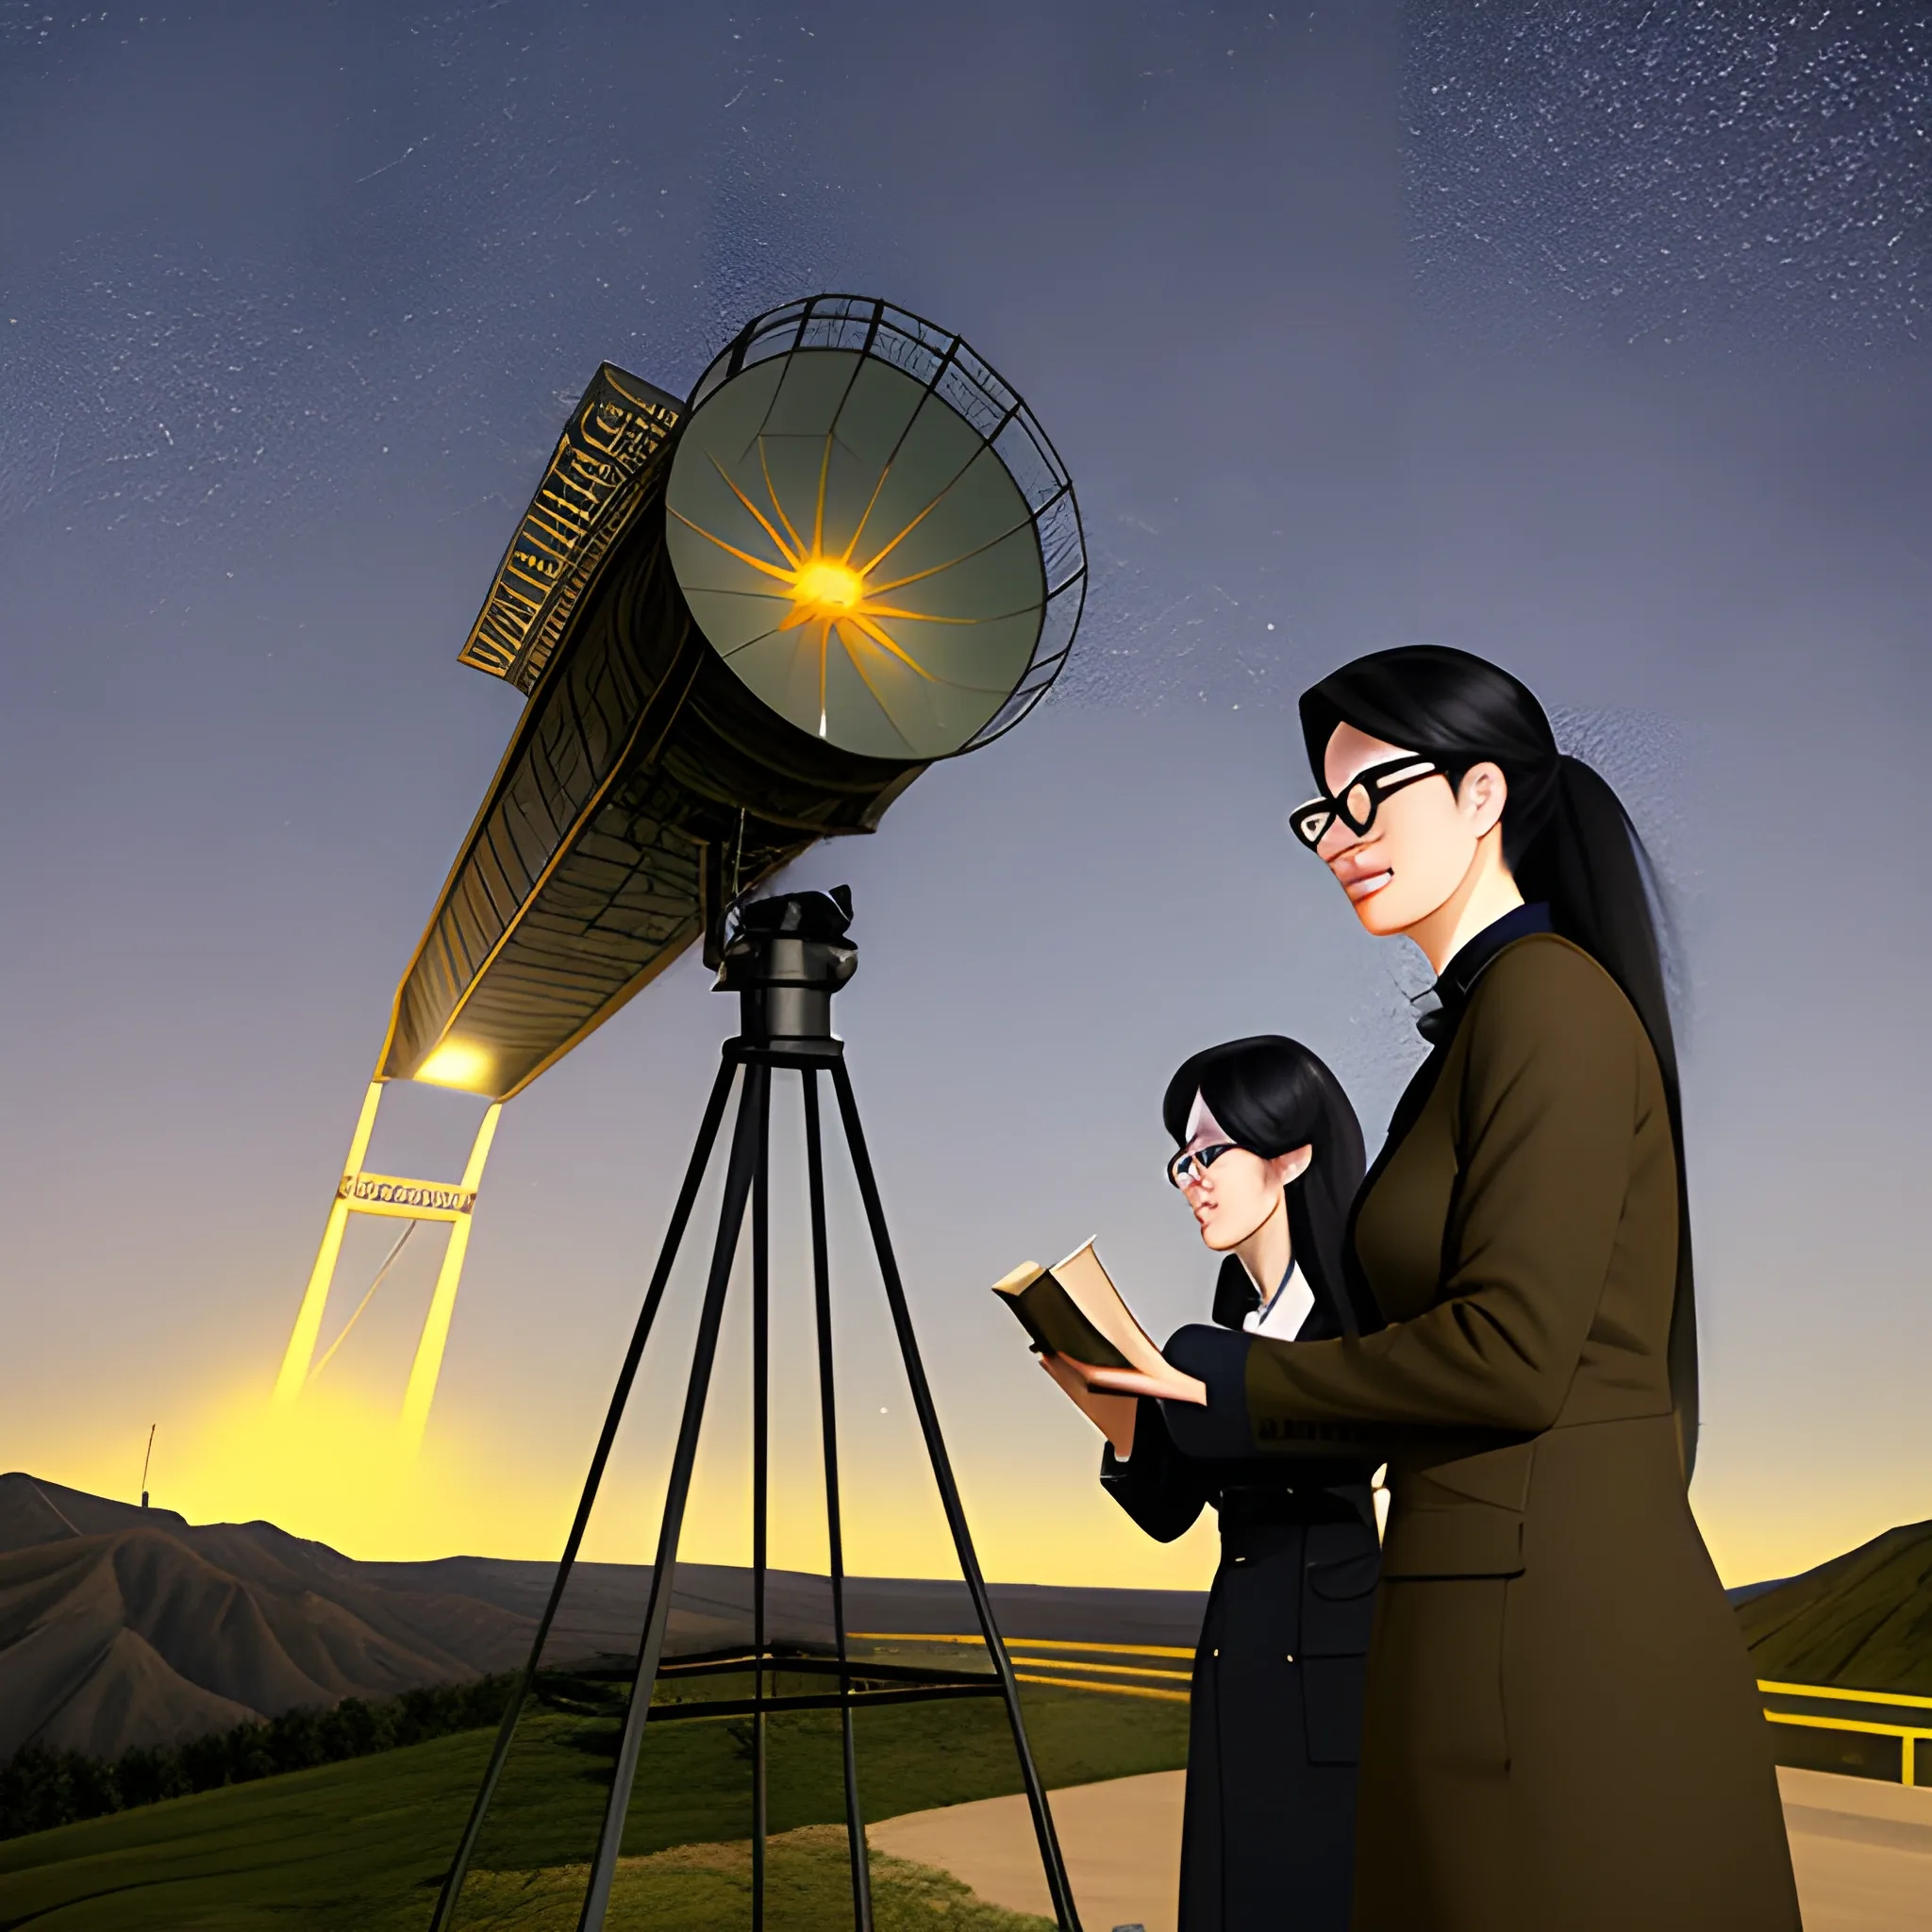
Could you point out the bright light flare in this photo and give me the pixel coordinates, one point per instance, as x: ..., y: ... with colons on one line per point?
x: 833, y: 594
x: 825, y: 586
x: 457, y: 1063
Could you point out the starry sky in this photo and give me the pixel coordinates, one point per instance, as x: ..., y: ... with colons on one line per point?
x: 1592, y: 338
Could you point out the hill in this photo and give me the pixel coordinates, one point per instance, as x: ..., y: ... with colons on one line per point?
x: 604, y: 1607
x: 122, y: 1626
x: 1862, y: 1621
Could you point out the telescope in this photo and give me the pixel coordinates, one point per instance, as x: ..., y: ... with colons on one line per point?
x: 744, y: 621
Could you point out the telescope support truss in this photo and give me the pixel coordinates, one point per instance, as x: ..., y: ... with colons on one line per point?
x: 360, y: 1191
x: 850, y: 1683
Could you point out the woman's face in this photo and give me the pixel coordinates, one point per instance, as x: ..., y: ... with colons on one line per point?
x: 1232, y: 1197
x: 1422, y: 844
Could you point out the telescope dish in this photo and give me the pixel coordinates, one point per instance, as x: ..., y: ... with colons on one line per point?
x: 872, y: 532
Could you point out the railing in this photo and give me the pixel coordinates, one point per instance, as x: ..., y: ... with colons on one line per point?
x: 1070, y: 1666
x: 1908, y: 1735
x: 1032, y: 1657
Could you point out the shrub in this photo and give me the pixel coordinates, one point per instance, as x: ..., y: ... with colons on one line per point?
x: 40, y: 1789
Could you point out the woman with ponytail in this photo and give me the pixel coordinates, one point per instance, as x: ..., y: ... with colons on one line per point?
x: 1563, y: 1730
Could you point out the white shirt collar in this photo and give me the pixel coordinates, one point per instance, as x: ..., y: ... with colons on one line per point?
x: 1282, y: 1317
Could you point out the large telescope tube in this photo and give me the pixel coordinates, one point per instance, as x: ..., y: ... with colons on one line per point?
x: 746, y: 622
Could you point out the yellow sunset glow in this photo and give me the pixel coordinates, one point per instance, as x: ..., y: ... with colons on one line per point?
x: 335, y: 1467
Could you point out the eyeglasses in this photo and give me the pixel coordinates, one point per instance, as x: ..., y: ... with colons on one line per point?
x: 1186, y: 1167
x: 1357, y: 806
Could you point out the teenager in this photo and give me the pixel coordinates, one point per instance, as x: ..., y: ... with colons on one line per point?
x: 1268, y: 1158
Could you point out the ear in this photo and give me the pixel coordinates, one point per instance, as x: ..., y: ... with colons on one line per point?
x: 1289, y: 1167
x: 1481, y: 796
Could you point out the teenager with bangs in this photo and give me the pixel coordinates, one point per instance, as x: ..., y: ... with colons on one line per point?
x: 1269, y: 1156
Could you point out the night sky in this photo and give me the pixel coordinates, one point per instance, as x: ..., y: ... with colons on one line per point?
x: 1592, y: 338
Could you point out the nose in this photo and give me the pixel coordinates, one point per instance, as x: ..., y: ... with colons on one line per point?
x: 1336, y: 842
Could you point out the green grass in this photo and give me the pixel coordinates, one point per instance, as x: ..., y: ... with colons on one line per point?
x: 361, y: 1846
x: 700, y: 1887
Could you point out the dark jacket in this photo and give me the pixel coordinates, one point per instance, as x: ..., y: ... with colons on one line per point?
x: 1274, y: 1724
x: 1562, y: 1733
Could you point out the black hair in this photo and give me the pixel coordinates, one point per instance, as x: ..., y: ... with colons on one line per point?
x: 1273, y: 1095
x: 1566, y: 839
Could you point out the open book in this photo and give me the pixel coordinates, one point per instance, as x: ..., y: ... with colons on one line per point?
x: 1072, y: 1309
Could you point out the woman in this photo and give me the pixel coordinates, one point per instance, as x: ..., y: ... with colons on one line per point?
x: 1561, y: 1727
x: 1270, y: 1157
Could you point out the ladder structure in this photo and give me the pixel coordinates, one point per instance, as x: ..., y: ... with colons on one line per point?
x: 360, y: 1191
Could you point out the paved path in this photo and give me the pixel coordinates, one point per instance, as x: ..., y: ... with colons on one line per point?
x: 1863, y: 1850
x: 1121, y: 1842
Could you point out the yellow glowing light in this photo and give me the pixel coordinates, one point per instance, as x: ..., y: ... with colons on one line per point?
x: 457, y: 1063
x: 833, y: 592
x: 826, y: 588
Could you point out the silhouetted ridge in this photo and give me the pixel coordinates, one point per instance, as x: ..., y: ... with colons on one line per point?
x: 122, y: 1627
x: 1863, y: 1620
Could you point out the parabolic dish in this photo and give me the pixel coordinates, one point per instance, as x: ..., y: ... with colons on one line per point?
x: 849, y: 531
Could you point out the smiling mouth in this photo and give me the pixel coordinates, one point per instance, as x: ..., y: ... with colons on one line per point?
x: 1359, y: 890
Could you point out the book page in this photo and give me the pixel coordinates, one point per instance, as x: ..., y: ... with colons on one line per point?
x: 1092, y: 1291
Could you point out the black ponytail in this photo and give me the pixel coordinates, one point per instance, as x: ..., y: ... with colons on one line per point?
x: 1271, y: 1095
x: 1566, y: 839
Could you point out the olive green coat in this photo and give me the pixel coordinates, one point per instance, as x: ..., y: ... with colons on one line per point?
x: 1563, y: 1730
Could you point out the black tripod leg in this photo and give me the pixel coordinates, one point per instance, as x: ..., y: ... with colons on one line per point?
x: 658, y: 1616
x: 760, y: 1481
x: 1058, y: 1888
x: 835, y: 1536
x: 667, y: 1254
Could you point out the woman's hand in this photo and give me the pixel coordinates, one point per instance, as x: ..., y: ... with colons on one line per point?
x: 1113, y: 1415
x: 1170, y: 1387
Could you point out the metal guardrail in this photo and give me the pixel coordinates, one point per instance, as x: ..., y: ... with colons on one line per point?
x: 1072, y: 1666
x: 1909, y: 1736
x: 1032, y: 1657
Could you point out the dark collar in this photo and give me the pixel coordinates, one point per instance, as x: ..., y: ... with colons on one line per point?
x: 1437, y: 1009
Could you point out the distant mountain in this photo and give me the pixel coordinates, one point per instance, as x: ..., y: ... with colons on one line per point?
x: 604, y: 1607
x: 1862, y: 1621
x: 122, y: 1626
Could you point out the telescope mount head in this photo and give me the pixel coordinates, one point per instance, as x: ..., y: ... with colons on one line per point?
x: 785, y: 958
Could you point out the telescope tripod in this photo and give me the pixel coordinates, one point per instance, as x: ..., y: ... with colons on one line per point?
x: 785, y: 968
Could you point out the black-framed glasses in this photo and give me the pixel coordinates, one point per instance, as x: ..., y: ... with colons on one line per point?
x: 1358, y: 800
x: 1192, y: 1163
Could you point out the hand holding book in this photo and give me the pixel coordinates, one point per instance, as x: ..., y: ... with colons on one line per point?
x: 1091, y: 1344
x: 1168, y: 1385
x: 1114, y: 1416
